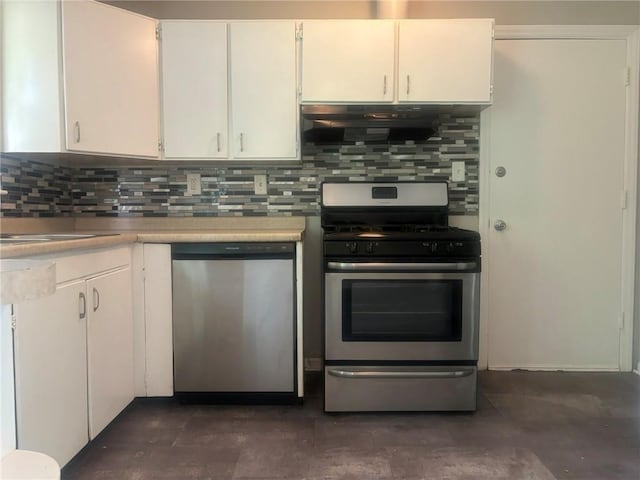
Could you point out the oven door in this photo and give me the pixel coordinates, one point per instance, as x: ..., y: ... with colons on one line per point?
x: 398, y: 312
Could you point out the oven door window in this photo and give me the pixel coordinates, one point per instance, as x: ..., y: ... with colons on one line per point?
x: 401, y: 310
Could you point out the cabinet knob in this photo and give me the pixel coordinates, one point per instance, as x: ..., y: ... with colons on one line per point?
x: 242, y: 142
x: 384, y: 86
x: 76, y: 132
x: 218, y: 140
x: 408, y: 84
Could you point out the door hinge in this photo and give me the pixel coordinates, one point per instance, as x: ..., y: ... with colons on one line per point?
x: 621, y: 321
x: 623, y: 199
x: 627, y: 76
x: 299, y: 32
x: 158, y: 32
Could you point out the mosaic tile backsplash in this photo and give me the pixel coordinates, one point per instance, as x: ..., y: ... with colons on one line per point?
x: 33, y: 189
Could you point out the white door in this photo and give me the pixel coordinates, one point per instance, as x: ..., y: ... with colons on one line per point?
x: 110, y: 347
x: 194, y: 89
x: 51, y: 373
x: 557, y: 126
x: 263, y: 90
x: 110, y: 79
x: 348, y: 61
x: 447, y: 61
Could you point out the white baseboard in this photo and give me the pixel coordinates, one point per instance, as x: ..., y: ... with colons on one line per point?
x: 555, y: 368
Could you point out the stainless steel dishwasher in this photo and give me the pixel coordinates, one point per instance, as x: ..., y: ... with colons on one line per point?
x: 234, y: 330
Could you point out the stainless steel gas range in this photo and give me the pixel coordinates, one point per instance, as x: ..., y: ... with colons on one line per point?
x: 401, y: 294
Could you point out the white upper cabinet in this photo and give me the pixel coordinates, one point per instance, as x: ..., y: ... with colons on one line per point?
x: 194, y: 89
x: 445, y: 61
x: 110, y: 80
x: 103, y: 100
x: 229, y: 90
x: 348, y: 61
x: 263, y: 90
x: 436, y: 61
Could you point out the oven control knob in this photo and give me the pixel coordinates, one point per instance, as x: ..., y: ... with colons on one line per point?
x: 371, y: 246
x: 352, y: 247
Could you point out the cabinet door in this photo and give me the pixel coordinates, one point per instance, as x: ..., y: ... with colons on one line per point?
x: 110, y: 347
x: 348, y: 61
x: 194, y: 89
x: 446, y: 61
x: 263, y: 93
x: 110, y: 80
x: 51, y: 373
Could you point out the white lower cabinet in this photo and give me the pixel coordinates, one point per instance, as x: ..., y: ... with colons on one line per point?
x: 51, y: 373
x: 74, y: 356
x: 109, y: 347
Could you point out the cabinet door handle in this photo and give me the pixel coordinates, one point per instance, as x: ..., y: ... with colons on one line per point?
x: 242, y: 142
x: 82, y: 306
x: 96, y: 299
x: 408, y: 84
x: 218, y: 140
x: 76, y: 132
x: 384, y: 86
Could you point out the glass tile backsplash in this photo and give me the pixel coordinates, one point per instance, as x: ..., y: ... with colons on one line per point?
x: 34, y: 189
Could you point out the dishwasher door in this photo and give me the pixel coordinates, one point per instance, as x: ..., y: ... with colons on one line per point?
x: 233, y: 320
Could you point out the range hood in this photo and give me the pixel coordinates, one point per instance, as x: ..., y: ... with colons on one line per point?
x: 328, y: 124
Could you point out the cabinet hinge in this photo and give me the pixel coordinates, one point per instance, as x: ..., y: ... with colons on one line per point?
x: 158, y: 32
x: 160, y: 146
x: 623, y: 199
x: 299, y: 32
x: 491, y: 89
x: 621, y: 321
x: 13, y: 318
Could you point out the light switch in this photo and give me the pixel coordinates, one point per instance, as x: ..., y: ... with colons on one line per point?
x: 260, y: 184
x: 457, y: 171
x: 194, y: 186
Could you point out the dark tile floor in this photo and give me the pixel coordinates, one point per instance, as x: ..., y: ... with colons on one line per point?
x: 529, y: 425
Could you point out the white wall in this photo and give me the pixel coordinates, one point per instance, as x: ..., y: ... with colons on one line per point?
x: 505, y: 12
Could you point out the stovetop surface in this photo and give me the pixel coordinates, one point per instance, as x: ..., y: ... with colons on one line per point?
x: 398, y: 232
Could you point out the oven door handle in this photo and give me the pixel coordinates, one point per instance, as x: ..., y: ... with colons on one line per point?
x: 399, y: 374
x: 400, y: 267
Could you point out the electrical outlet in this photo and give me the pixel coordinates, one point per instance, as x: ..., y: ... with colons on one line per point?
x: 260, y: 184
x: 194, y: 187
x: 457, y: 171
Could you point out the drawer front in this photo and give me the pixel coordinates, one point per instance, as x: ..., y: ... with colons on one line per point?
x: 400, y: 388
x: 91, y: 263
